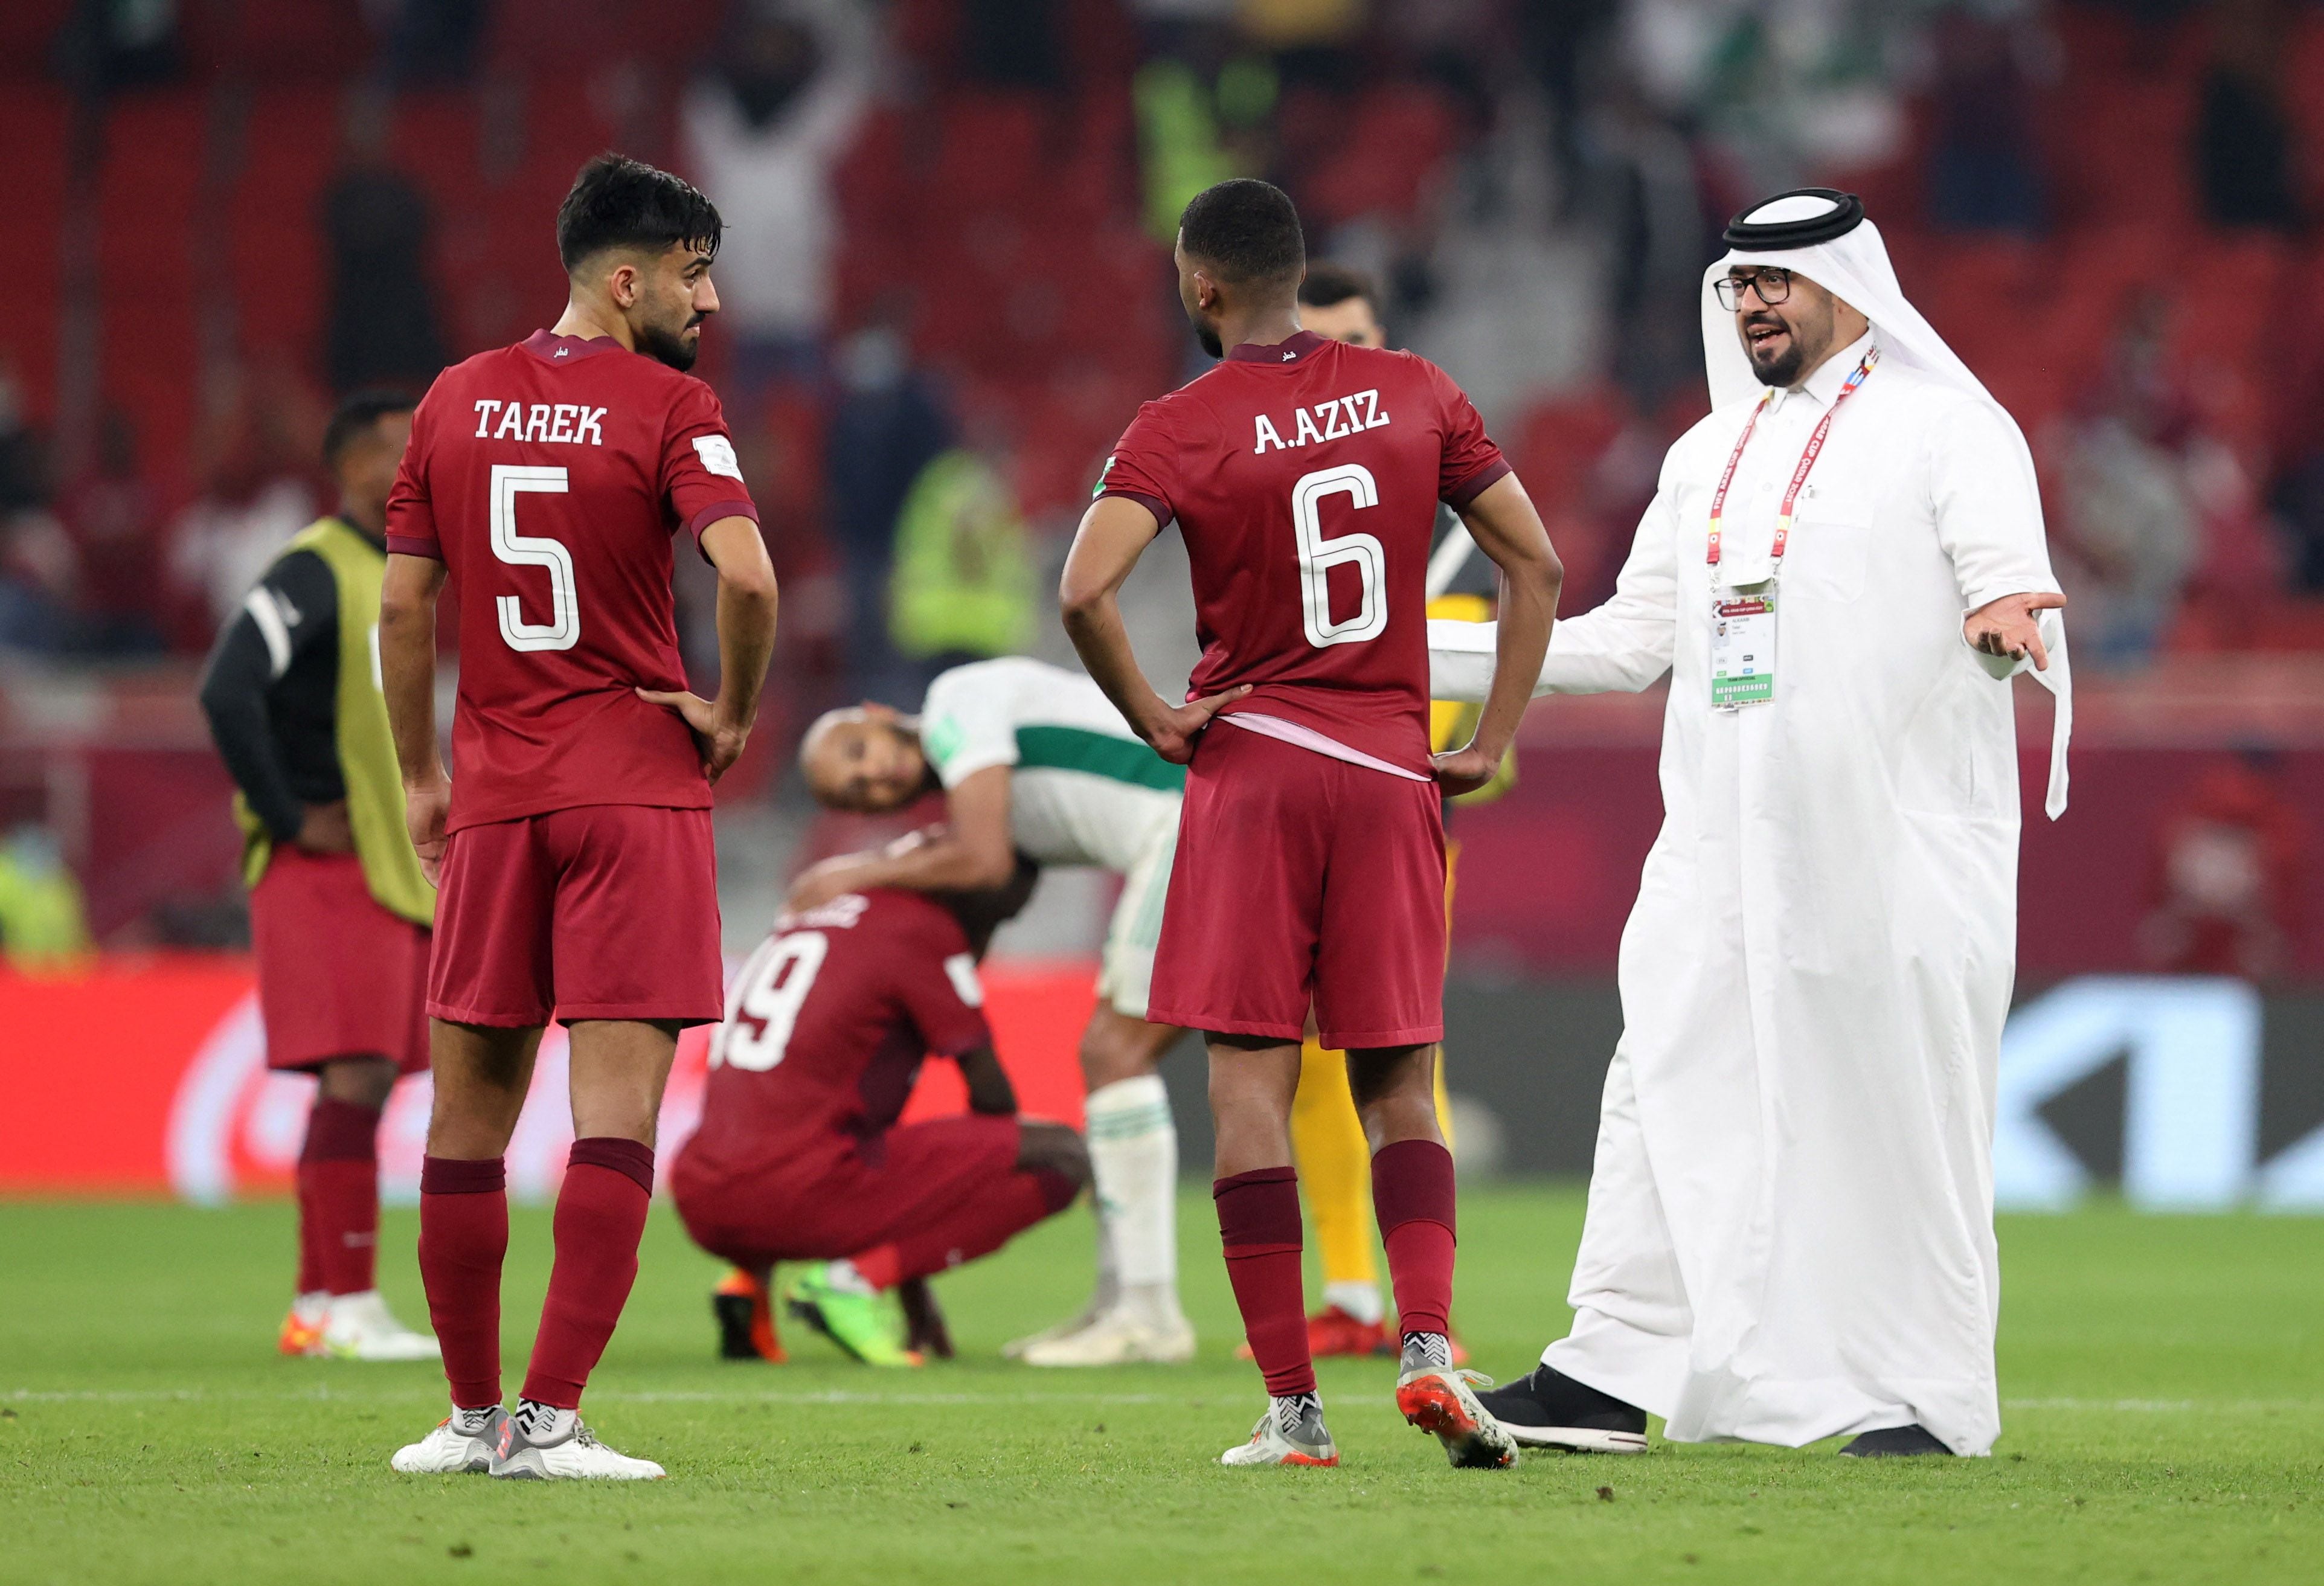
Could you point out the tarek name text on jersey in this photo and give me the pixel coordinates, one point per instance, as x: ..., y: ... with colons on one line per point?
x: 567, y: 422
x: 1334, y: 419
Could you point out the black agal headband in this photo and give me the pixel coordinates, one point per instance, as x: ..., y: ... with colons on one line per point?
x: 1797, y: 219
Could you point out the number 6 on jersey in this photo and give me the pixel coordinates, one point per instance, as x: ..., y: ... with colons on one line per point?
x: 563, y: 629
x: 1318, y: 555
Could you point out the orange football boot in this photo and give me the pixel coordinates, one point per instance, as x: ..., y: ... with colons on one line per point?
x: 302, y: 1330
x: 746, y: 1319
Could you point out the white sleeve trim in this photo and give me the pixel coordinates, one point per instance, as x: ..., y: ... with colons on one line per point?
x: 961, y: 970
x: 267, y: 613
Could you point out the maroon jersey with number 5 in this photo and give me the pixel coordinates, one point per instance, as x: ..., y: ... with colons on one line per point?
x: 1304, y: 477
x: 549, y: 478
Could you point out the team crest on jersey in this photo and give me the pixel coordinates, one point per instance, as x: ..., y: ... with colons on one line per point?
x: 1334, y: 419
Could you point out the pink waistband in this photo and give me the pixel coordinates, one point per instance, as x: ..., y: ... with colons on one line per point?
x: 1308, y: 738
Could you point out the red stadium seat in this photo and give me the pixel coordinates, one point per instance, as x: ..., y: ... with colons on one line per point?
x: 148, y: 193
x: 35, y: 128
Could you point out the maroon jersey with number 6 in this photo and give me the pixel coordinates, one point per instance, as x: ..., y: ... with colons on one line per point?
x: 1304, y: 477
x: 549, y: 477
x: 826, y: 1026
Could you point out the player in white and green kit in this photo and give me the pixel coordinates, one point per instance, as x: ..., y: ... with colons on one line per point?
x: 1034, y: 759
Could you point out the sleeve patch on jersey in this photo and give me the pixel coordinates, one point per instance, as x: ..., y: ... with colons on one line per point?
x: 961, y: 970
x: 940, y: 740
x: 717, y: 454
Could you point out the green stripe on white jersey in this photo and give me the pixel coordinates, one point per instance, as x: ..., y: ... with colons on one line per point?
x: 1083, y: 788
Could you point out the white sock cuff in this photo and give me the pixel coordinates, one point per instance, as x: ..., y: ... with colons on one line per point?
x: 1361, y: 1300
x: 1128, y: 1108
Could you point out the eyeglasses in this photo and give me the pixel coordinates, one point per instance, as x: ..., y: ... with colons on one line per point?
x: 1772, y: 285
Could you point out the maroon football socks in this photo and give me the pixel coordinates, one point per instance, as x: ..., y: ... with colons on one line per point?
x: 1259, y: 1222
x: 338, y: 1198
x: 1413, y: 1197
x: 464, y: 1231
x: 601, y: 1216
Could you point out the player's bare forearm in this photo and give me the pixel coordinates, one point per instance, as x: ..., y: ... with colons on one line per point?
x: 747, y: 601
x: 1113, y: 534
x: 1103, y: 642
x: 972, y: 853
x: 989, y: 1090
x: 1509, y: 530
x: 942, y: 864
x: 407, y: 662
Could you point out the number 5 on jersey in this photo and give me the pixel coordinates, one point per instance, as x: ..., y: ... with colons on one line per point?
x: 1318, y: 555
x: 563, y: 629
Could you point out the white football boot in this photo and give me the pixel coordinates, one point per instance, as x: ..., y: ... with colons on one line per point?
x: 1291, y: 1433
x: 359, y: 1327
x: 1120, y: 1337
x: 1014, y: 1350
x: 540, y: 1445
x: 463, y: 1443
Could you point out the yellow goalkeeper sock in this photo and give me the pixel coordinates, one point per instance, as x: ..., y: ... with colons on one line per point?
x: 1327, y: 1146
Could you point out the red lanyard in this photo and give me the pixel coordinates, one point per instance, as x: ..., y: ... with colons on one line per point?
x: 1799, y: 474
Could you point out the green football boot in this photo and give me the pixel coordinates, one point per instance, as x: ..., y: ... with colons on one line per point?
x: 866, y: 1324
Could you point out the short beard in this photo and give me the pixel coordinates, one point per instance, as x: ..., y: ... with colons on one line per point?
x: 667, y: 347
x: 1209, y: 340
x: 1785, y: 371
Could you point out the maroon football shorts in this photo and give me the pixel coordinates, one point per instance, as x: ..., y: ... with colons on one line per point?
x: 338, y: 975
x: 829, y: 1199
x: 1300, y: 877
x: 604, y: 911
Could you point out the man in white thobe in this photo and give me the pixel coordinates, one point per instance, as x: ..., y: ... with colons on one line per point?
x: 1790, y: 1228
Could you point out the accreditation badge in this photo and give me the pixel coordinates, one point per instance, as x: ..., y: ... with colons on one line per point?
x: 1742, y: 648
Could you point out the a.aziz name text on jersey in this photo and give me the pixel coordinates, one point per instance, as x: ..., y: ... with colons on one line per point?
x: 1361, y: 411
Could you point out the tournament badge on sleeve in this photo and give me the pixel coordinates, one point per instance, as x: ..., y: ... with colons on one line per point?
x: 1742, y: 648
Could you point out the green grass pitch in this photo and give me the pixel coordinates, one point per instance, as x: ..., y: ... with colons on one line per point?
x: 2163, y: 1379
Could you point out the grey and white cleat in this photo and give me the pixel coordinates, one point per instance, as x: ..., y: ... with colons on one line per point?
x: 462, y: 1445
x: 1435, y: 1396
x: 1291, y: 1433
x: 540, y: 1444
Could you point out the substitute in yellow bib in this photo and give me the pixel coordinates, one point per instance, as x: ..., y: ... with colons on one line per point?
x: 339, y: 912
x: 1327, y: 1143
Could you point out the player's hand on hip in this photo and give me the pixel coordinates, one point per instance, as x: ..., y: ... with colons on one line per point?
x: 1172, y: 729
x: 720, y: 740
x: 325, y: 829
x: 1463, y: 770
x: 427, y: 804
x: 2011, y: 626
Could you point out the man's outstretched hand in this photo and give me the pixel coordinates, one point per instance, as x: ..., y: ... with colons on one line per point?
x: 721, y: 740
x: 1172, y: 729
x: 2009, y: 626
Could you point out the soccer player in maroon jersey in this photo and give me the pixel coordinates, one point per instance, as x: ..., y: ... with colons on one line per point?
x: 798, y: 1157
x: 1304, y: 474
x: 547, y: 480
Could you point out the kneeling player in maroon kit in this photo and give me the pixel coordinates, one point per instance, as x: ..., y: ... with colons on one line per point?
x: 1305, y: 476
x: 546, y: 480
x: 798, y: 1157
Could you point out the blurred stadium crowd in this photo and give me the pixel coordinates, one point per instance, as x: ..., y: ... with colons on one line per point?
x: 947, y: 287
